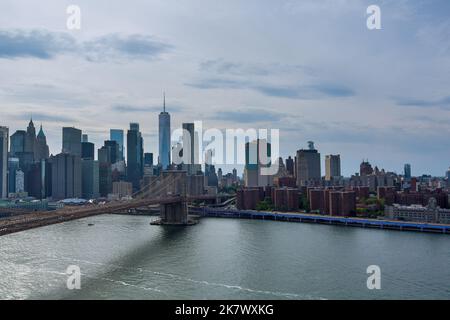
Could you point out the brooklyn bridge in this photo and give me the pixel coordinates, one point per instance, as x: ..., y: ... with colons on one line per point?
x: 169, y: 191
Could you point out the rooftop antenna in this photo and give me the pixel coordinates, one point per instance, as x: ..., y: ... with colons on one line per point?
x: 164, y: 104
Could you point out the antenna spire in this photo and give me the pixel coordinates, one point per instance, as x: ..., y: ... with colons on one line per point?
x: 164, y: 104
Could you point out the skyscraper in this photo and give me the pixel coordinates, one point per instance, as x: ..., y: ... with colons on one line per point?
x: 164, y: 137
x: 72, y: 141
x: 30, y: 139
x: 148, y: 159
x: 13, y: 168
x: 253, y: 164
x: 114, y: 150
x: 41, y: 151
x: 105, y: 171
x: 87, y: 151
x: 190, y: 149
x: 290, y: 166
x: 188, y: 143
x: 66, y: 176
x: 4, y: 137
x: 18, y: 143
x: 117, y: 135
x: 332, y: 167
x: 308, y: 166
x: 90, y: 178
x: 407, y: 171
x: 135, y: 155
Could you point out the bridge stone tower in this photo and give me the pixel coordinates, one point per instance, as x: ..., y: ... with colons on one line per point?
x: 173, y: 184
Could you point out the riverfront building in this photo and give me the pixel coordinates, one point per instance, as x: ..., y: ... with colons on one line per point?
x: 418, y: 213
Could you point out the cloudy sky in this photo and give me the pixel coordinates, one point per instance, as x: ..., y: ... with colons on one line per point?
x: 309, y: 67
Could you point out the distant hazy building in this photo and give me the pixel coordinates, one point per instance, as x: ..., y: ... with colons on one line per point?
x: 332, y: 167
x: 210, y: 170
x: 164, y: 138
x: 66, y: 176
x: 19, y: 181
x: 148, y: 159
x: 121, y: 189
x: 118, y: 136
x: 290, y: 166
x: 308, y: 166
x: 365, y: 168
x: 4, y: 142
x: 407, y: 171
x: 72, y: 141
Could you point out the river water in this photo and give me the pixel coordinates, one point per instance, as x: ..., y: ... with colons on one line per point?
x: 123, y: 257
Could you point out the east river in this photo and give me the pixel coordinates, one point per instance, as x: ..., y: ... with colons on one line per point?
x: 124, y: 257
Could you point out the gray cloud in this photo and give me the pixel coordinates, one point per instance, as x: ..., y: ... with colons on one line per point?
x: 222, y: 67
x: 132, y: 46
x: 305, y: 92
x: 443, y: 103
x: 39, y: 116
x: 136, y: 109
x: 34, y: 43
x: 220, y: 74
x: 43, y: 44
x: 217, y: 83
x: 250, y: 115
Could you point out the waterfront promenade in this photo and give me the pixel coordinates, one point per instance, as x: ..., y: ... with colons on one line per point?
x: 321, y: 219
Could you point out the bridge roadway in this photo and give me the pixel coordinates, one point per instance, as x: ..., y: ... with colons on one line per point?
x: 27, y: 221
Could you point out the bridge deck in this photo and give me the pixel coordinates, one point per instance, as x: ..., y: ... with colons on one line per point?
x: 26, y: 221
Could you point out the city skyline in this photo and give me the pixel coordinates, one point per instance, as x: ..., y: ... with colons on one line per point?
x: 391, y: 108
x: 134, y: 126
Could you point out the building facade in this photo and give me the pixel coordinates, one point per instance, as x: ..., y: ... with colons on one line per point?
x: 118, y: 136
x: 72, y: 141
x: 332, y: 167
x: 308, y: 166
x: 66, y: 176
x: 4, y: 143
